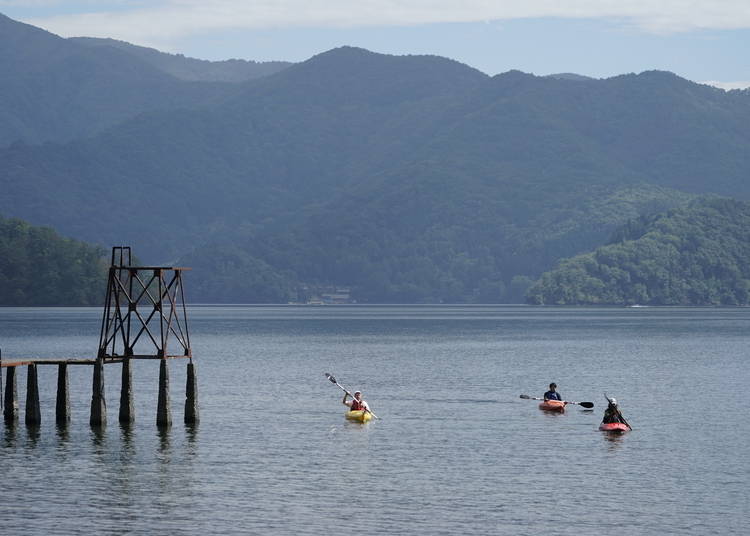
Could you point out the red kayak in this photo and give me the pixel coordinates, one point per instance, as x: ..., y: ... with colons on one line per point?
x: 552, y: 405
x: 614, y: 427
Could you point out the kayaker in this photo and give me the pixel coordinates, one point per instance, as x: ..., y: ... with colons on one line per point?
x: 552, y: 394
x: 612, y: 413
x: 356, y: 403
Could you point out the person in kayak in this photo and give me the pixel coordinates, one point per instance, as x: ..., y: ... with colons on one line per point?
x: 552, y: 394
x: 356, y: 403
x: 612, y: 413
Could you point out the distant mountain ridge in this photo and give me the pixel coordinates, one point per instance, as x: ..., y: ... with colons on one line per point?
x: 406, y: 178
x: 570, y: 76
x: 58, y: 90
x: 185, y: 68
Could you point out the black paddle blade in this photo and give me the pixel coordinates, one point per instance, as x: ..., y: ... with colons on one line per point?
x: 526, y: 397
x: 331, y: 378
x: 587, y: 404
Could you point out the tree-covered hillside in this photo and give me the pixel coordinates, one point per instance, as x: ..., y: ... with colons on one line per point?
x: 697, y: 255
x: 39, y: 267
x: 57, y: 90
x: 409, y: 178
x: 397, y: 250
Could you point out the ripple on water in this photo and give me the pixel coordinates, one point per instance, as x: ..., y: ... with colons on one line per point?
x: 456, y: 452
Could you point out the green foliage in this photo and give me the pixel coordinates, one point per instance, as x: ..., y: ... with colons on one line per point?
x: 39, y: 267
x: 697, y: 255
x: 396, y: 251
x: 408, y: 179
x: 230, y: 275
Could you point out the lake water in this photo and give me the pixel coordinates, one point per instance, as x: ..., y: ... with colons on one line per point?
x: 456, y: 450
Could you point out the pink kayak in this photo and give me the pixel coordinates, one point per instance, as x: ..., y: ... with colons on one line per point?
x: 614, y: 427
x: 552, y: 405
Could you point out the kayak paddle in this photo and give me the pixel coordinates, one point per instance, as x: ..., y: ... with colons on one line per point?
x: 333, y: 381
x: 622, y: 419
x: 584, y: 404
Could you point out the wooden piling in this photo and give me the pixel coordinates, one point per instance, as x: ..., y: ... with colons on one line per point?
x: 62, y: 405
x: 191, y: 396
x: 10, y: 395
x: 98, y: 403
x: 128, y: 314
x: 127, y: 408
x: 163, y: 413
x: 33, y: 412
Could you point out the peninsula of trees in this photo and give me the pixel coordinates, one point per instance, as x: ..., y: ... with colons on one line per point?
x: 40, y: 267
x: 696, y: 255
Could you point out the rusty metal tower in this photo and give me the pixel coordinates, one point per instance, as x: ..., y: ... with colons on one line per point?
x: 144, y: 317
x: 146, y: 305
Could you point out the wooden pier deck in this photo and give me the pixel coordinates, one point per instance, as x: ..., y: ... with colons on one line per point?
x: 20, y: 362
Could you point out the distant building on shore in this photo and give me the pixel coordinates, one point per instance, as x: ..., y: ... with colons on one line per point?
x: 327, y: 295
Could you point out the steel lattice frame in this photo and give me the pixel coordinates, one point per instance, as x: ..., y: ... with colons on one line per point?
x: 143, y: 300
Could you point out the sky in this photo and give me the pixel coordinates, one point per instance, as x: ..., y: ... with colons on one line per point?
x: 702, y: 40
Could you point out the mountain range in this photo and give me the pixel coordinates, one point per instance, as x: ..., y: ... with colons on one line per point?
x: 185, y: 68
x: 406, y: 178
x: 58, y: 90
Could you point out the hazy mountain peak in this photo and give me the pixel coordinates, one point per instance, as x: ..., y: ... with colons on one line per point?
x: 349, y: 74
x: 570, y: 76
x: 55, y: 89
x: 346, y: 50
x: 654, y: 74
x: 515, y: 74
x: 356, y: 55
x: 513, y: 79
x: 662, y: 76
x: 186, y: 68
x: 11, y: 31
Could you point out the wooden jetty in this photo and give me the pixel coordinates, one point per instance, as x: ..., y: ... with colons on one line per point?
x: 144, y: 317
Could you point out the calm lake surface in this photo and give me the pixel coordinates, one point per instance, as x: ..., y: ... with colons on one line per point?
x: 456, y: 451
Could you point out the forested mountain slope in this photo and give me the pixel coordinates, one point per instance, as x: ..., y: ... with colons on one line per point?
x: 696, y: 255
x: 40, y: 267
x: 289, y: 141
x: 54, y: 89
x: 411, y: 178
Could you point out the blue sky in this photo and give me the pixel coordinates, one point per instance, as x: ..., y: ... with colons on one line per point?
x: 702, y: 41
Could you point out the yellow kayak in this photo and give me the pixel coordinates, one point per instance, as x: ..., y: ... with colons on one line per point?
x: 359, y: 415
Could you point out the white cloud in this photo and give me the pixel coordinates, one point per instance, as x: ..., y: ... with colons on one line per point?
x: 163, y: 20
x: 728, y: 85
x: 36, y: 4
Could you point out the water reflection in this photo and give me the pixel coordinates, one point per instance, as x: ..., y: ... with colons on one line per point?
x: 191, y: 433
x: 63, y: 432
x: 33, y: 432
x: 127, y: 436
x: 614, y: 440
x: 98, y: 435
x: 9, y: 436
x: 164, y: 440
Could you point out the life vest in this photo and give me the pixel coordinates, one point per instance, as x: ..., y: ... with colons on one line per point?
x: 611, y: 415
x: 356, y: 405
